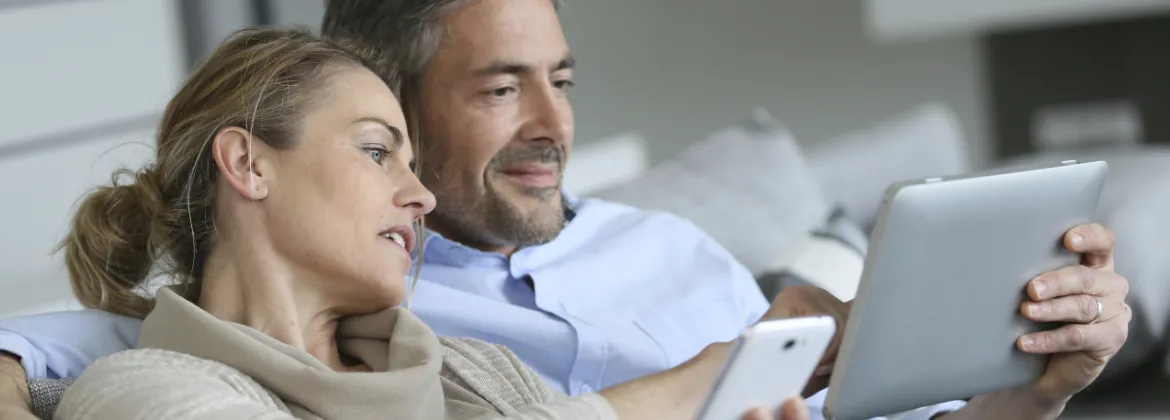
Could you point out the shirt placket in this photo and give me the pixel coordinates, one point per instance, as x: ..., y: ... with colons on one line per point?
x: 592, y: 345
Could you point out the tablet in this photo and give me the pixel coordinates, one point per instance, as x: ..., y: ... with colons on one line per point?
x: 769, y: 363
x: 937, y: 312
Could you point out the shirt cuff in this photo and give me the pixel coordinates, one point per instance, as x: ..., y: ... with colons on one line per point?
x: 30, y: 358
x: 930, y: 412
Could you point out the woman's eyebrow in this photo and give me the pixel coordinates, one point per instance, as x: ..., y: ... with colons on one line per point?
x: 394, y: 131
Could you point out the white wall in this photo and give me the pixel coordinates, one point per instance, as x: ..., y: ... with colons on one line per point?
x: 906, y: 19
x: 79, y: 80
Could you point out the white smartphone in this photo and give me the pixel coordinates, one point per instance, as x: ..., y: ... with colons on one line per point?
x: 769, y: 363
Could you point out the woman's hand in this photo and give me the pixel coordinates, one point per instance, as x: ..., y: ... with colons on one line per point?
x: 793, y: 409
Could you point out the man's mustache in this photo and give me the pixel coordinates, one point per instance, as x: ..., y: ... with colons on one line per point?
x: 510, y: 157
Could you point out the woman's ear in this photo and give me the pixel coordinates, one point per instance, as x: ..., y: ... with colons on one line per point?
x: 237, y: 154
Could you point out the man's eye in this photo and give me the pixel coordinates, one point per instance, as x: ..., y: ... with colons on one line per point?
x: 501, y: 92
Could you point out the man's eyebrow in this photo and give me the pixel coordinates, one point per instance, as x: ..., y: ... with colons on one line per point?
x: 516, y: 68
x: 394, y: 131
x: 566, y: 63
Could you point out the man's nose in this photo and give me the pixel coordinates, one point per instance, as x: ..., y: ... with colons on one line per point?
x: 549, y: 116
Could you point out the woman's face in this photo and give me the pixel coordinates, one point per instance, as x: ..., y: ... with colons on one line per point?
x: 341, y: 205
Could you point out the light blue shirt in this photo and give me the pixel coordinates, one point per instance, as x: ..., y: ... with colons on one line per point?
x: 620, y: 294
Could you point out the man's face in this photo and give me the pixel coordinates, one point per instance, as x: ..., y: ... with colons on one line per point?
x: 496, y: 124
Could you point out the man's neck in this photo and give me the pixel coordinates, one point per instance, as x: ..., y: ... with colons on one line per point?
x: 446, y: 228
x: 505, y: 250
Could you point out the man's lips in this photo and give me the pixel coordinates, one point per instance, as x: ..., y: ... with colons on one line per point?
x: 532, y: 175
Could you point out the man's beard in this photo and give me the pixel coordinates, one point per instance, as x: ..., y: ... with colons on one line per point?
x: 487, y: 217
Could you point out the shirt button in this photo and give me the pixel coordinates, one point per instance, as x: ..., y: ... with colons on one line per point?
x: 585, y: 389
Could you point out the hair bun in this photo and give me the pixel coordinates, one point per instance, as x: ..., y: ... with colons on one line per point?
x: 146, y: 187
x: 113, y: 244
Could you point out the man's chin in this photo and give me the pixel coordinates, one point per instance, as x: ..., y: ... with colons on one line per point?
x: 533, y: 203
x: 536, y: 203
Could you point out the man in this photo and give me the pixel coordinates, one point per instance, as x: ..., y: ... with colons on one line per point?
x: 595, y: 296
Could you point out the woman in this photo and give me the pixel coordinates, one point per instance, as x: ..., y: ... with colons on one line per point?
x: 283, y: 199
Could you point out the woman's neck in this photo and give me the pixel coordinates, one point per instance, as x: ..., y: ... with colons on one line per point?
x: 257, y: 289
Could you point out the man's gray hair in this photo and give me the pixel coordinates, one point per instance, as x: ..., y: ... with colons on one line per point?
x: 399, y: 37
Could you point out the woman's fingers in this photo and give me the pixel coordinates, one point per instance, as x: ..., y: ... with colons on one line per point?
x: 758, y: 413
x: 793, y: 409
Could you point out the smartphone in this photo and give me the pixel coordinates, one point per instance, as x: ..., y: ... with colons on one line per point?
x: 769, y: 363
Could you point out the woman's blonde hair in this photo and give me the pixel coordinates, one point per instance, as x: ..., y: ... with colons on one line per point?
x: 159, y: 220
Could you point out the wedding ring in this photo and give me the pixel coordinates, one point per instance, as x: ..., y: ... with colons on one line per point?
x: 1100, y: 311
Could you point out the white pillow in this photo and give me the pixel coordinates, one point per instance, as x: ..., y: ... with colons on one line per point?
x: 747, y: 186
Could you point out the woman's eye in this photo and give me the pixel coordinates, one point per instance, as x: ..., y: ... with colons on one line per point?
x: 376, y: 155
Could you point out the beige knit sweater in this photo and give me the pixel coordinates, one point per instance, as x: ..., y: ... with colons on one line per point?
x: 193, y: 366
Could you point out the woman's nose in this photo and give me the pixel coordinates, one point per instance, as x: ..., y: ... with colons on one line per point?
x: 415, y: 197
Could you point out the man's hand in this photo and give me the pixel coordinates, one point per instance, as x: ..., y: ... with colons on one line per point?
x: 14, y: 399
x: 1089, y: 297
x: 801, y: 301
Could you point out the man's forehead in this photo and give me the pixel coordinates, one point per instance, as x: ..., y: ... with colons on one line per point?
x: 487, y: 31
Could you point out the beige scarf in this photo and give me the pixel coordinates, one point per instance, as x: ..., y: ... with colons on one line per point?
x: 192, y: 366
x: 404, y: 353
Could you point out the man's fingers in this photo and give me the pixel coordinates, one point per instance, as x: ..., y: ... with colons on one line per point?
x: 1094, y: 242
x: 1076, y: 280
x: 1097, y: 338
x: 1080, y: 309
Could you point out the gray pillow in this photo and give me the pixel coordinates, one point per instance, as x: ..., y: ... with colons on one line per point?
x: 747, y: 186
x: 855, y: 169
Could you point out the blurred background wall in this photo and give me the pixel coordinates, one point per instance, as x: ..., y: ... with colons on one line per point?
x: 82, y: 84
